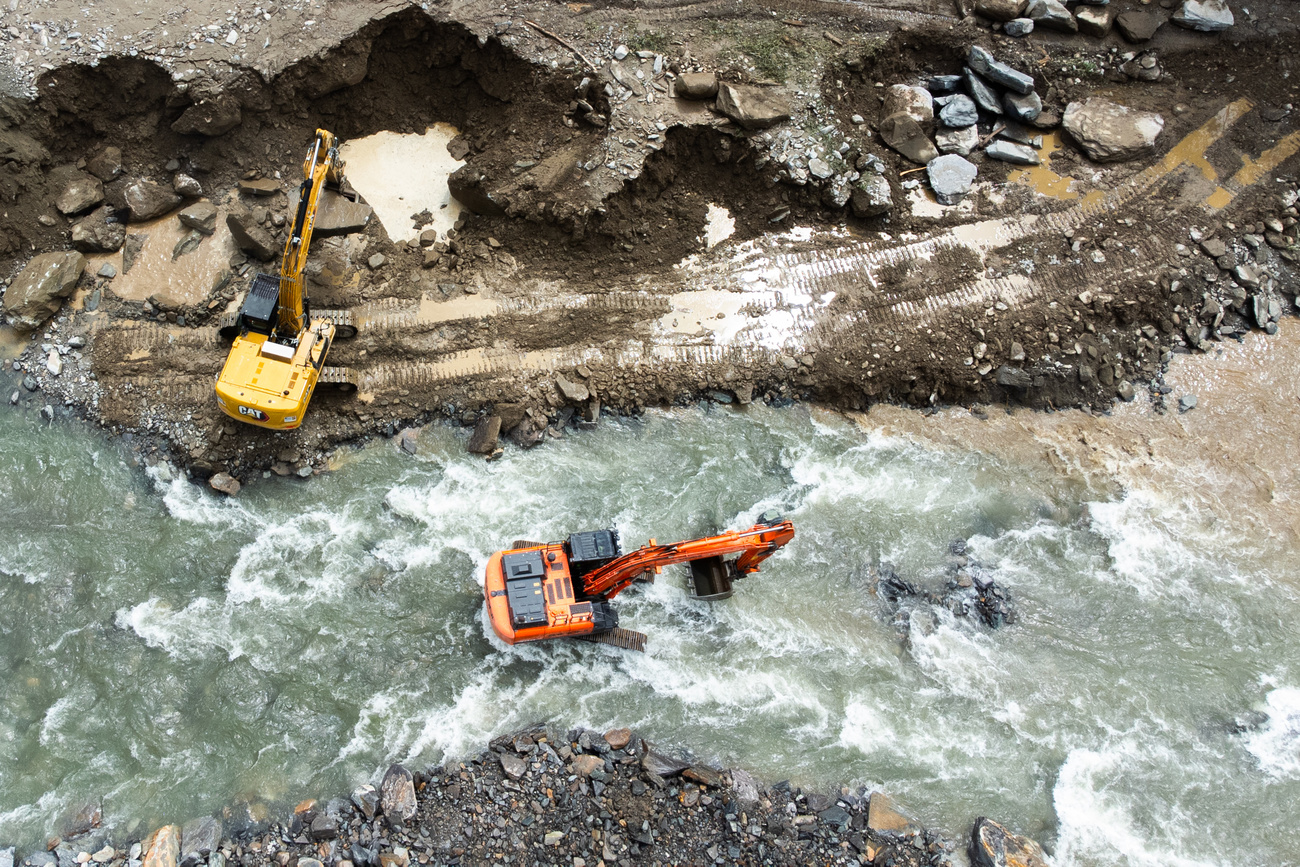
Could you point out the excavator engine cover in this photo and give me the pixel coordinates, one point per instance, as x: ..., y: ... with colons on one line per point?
x: 591, y: 550
x: 710, y: 578
x: 524, y: 573
x: 261, y: 307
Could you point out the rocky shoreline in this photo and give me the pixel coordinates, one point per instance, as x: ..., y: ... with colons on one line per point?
x: 540, y: 797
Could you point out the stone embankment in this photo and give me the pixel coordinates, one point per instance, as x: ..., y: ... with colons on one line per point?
x: 580, y: 799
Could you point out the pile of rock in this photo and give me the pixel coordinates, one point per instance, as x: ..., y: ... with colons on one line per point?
x: 969, y: 591
x: 1096, y: 17
x: 988, y: 93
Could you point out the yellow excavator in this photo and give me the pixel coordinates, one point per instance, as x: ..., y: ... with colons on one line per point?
x: 279, y: 350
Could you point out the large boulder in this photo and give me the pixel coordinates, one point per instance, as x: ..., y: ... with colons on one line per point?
x: 984, y: 94
x: 1205, y: 15
x: 338, y: 215
x: 80, y: 194
x: 871, y: 196
x: 1000, y: 10
x: 37, y: 293
x: 915, y: 102
x: 997, y: 72
x: 107, y: 164
x: 1094, y: 20
x: 162, y: 848
x: 1024, y: 107
x: 905, y: 135
x: 486, y: 435
x: 960, y: 111
x: 752, y: 107
x: 1110, y: 133
x: 992, y: 845
x: 397, y: 795
x: 958, y: 141
x: 249, y: 236
x: 212, y: 116
x: 200, y: 216
x: 147, y: 200
x: 1051, y: 14
x: 1138, y: 26
x: 950, y: 178
x: 98, y: 233
x: 696, y: 85
x: 199, y: 838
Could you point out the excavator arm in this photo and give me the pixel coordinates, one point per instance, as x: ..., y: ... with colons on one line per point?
x: 754, y: 546
x: 321, y: 165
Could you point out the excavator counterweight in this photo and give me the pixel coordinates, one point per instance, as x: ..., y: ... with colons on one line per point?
x: 540, y: 590
x: 278, y: 355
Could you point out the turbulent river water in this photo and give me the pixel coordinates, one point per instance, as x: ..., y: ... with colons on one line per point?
x: 175, y: 653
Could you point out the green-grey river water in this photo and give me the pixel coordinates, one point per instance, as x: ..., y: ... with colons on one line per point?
x: 174, y: 652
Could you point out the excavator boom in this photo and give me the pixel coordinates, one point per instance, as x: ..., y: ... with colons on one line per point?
x: 563, y: 589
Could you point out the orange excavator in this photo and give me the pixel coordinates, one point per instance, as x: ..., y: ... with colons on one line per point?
x: 540, y: 590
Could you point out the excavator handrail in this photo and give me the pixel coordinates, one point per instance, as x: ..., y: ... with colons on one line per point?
x: 754, y: 546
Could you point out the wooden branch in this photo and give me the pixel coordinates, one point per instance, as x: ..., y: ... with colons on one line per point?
x: 542, y: 30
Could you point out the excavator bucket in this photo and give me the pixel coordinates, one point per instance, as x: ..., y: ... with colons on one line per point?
x: 628, y: 639
x: 710, y: 579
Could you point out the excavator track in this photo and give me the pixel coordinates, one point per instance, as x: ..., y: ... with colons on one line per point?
x: 340, y: 379
x: 228, y: 326
x: 628, y: 639
x: 345, y: 327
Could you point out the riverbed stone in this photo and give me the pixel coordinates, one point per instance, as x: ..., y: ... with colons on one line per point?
x: 147, y: 200
x: 200, y: 216
x: 997, y: 72
x: 871, y: 196
x: 249, y: 236
x: 99, y: 232
x: 107, y: 164
x: 186, y: 187
x: 618, y: 738
x: 1051, y: 14
x: 1010, y: 152
x: 951, y: 177
x: 984, y: 94
x: 38, y: 291
x: 752, y: 107
x: 957, y: 141
x: 199, y: 838
x: 81, y: 193
x: 1000, y: 10
x: 960, y: 111
x: 162, y: 848
x: 366, y: 799
x: 1018, y: 27
x: 336, y: 214
x: 697, y: 85
x: 1138, y: 26
x: 487, y: 433
x: 915, y: 102
x: 1207, y: 16
x: 1108, y: 132
x: 883, y: 815
x: 224, y: 483
x: 214, y: 116
x: 397, y: 794
x: 1094, y: 20
x: 905, y: 135
x: 992, y: 845
x: 586, y: 765
x: 660, y: 764
x: 574, y: 392
x: 513, y: 766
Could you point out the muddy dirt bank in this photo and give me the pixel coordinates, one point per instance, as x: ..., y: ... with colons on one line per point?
x: 587, y: 258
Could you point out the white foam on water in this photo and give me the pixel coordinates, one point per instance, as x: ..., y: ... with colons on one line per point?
x: 296, y: 562
x: 1276, y: 744
x: 66, y: 709
x: 188, y: 502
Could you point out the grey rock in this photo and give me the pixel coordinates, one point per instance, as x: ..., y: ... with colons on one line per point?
x: 249, y: 236
x: 1094, y: 20
x: 1021, y: 155
x: 819, y: 168
x: 871, y: 196
x: 186, y: 187
x: 997, y: 72
x: 338, y: 215
x: 574, y: 392
x: 752, y: 107
x: 107, y: 271
x: 697, y: 85
x: 943, y: 83
x: 1215, y: 248
x: 992, y: 845
x: 188, y: 244
x: 1018, y: 27
x: 147, y: 200
x: 377, y: 261
x: 957, y: 141
x: 409, y: 441
x: 835, y: 816
x: 260, y: 187
x: 915, y: 102
x: 983, y: 93
x: 1024, y: 107
x: 661, y: 765
x: 905, y: 135
x: 1208, y: 16
x: 837, y: 193
x: 1138, y: 26
x: 98, y: 233
x: 210, y: 117
x: 224, y: 483
x: 1052, y: 15
x: 951, y: 177
x: 200, y: 216
x: 1125, y: 391
x: 397, y: 795
x: 486, y: 435
x: 1017, y: 352
x: 41, y: 859
x: 1013, y: 377
x: 38, y: 291
x: 323, y: 827
x: 134, y: 244
x: 1108, y: 132
x: 7, y: 857
x: 1000, y: 10
x: 1246, y: 275
x: 366, y: 799
x: 1187, y: 402
x: 107, y: 164
x: 959, y: 112
x: 513, y: 766
x: 80, y: 194
x: 199, y: 838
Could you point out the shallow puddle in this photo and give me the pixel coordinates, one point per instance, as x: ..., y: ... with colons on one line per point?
x: 719, y: 225
x: 402, y: 175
